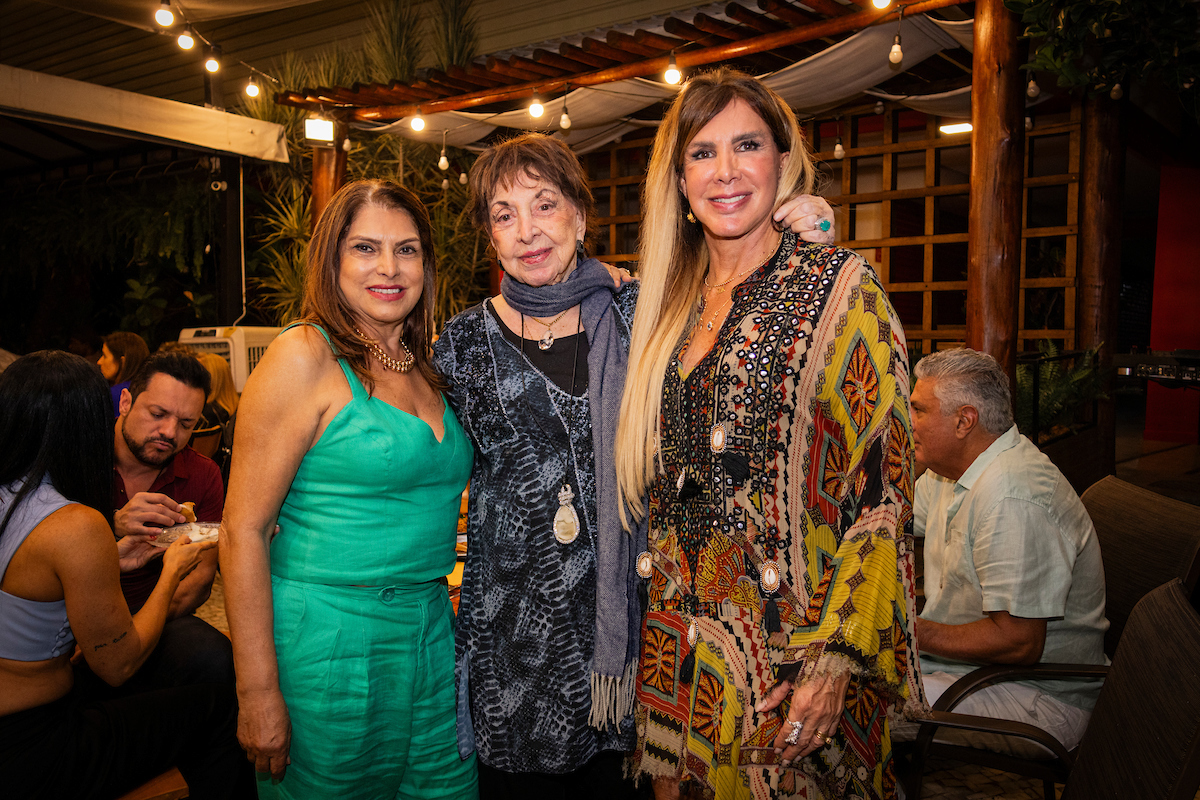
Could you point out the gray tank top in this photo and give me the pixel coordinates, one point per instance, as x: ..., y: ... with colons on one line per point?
x: 30, y: 630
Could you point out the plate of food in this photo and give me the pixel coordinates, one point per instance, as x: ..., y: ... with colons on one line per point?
x: 196, y: 531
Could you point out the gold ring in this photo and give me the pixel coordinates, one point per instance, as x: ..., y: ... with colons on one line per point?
x: 828, y: 740
x: 819, y: 734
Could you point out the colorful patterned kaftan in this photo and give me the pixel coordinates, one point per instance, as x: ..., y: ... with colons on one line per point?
x: 787, y: 447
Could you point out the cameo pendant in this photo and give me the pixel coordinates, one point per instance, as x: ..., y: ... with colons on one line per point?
x: 566, y: 519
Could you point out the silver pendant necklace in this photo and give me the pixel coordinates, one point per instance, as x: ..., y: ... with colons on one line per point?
x: 566, y: 519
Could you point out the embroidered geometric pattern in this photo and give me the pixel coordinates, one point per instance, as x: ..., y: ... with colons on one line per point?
x: 815, y: 476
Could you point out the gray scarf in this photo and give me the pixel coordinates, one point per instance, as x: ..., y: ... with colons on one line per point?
x: 618, y: 610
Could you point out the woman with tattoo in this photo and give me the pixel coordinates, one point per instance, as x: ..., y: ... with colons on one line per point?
x: 64, y: 734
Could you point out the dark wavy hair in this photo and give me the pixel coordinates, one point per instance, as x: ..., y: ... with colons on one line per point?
x: 542, y: 157
x: 324, y: 303
x: 56, y: 421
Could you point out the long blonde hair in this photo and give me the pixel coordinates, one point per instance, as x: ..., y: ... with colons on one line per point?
x: 673, y: 257
x: 223, y: 393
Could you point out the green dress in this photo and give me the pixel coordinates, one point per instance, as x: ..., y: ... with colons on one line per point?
x: 364, y: 631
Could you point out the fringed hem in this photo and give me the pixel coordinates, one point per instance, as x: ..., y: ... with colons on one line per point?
x: 612, y: 698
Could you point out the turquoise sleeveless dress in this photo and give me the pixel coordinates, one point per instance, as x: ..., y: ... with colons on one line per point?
x: 364, y: 630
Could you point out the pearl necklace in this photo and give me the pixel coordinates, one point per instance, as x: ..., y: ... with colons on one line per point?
x: 401, y: 365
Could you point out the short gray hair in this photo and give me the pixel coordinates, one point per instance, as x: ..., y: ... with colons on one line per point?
x: 967, y: 377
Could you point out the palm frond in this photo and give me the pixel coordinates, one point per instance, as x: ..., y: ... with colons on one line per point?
x: 455, y: 33
x: 394, y: 43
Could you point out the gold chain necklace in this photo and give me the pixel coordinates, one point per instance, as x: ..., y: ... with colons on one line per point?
x: 401, y: 365
x: 547, y: 340
x: 721, y: 286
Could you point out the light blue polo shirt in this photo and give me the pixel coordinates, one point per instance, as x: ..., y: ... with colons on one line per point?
x: 1012, y: 535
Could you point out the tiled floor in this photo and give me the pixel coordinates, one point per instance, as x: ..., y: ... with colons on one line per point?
x: 1164, y: 467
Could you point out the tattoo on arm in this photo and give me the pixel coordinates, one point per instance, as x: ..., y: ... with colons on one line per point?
x: 114, y: 641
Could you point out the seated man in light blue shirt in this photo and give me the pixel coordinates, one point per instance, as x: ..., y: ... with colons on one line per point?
x: 1012, y: 566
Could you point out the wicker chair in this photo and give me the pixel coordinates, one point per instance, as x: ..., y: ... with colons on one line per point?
x: 1145, y: 541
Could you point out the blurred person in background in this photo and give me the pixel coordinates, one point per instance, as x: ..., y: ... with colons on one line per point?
x: 120, y: 356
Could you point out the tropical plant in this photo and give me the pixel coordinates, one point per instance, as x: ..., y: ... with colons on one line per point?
x: 391, y: 50
x: 456, y: 33
x: 1061, y: 391
x: 1099, y: 44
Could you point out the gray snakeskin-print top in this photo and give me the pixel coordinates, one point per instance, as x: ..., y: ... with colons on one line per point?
x: 526, y: 617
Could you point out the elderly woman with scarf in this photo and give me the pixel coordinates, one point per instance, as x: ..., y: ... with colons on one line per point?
x: 549, y: 620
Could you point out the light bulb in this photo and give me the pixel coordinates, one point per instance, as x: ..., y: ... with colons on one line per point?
x: 317, y: 129
x: 462, y: 178
x: 536, y: 109
x: 1029, y: 123
x: 881, y: 3
x: 1032, y: 89
x: 839, y: 152
x: 878, y: 106
x: 252, y: 87
x: 896, y: 55
x: 445, y: 184
x: 1117, y: 92
x: 672, y: 75
x: 186, y: 40
x: 164, y: 16
x: 564, y: 121
x: 417, y: 123
x: 443, y: 162
x: 212, y: 63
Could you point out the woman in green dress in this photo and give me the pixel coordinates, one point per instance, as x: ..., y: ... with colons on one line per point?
x: 342, y: 628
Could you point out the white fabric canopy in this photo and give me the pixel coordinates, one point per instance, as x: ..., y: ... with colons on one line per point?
x: 84, y: 105
x: 139, y: 13
x: 600, y: 114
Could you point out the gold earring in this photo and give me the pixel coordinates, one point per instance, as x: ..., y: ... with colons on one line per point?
x: 689, y: 216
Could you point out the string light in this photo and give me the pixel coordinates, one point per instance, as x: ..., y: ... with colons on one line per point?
x: 1029, y: 123
x: 1117, y: 92
x: 445, y: 184
x: 443, y: 162
x: 672, y: 75
x: 462, y: 178
x: 252, y: 87
x: 213, y: 62
x: 187, y: 39
x: 417, y: 123
x: 1032, y: 89
x: 896, y: 54
x: 536, y: 109
x: 881, y: 3
x: 164, y: 16
x: 564, y: 121
x: 878, y: 106
x: 839, y: 152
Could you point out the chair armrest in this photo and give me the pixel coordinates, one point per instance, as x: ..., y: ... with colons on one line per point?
x: 999, y: 673
x: 1004, y: 727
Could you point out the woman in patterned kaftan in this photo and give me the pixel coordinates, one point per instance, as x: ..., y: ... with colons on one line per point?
x: 767, y: 429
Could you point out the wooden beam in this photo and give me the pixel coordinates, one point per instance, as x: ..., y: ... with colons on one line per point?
x: 608, y: 73
x: 499, y: 67
x: 536, y: 67
x: 329, y: 171
x: 757, y: 21
x: 997, y: 164
x: 830, y: 8
x: 1100, y: 251
x: 599, y: 48
x: 686, y: 30
x: 578, y: 54
x: 658, y: 40
x: 623, y: 41
x: 555, y: 60
x: 787, y: 12
x: 458, y: 73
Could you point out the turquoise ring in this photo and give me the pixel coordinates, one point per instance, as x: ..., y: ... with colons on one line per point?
x: 824, y: 225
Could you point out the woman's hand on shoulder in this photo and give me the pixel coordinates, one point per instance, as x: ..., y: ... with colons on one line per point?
x: 805, y: 215
x: 620, y: 275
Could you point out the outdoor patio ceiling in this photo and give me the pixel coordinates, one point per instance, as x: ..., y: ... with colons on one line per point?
x: 774, y: 36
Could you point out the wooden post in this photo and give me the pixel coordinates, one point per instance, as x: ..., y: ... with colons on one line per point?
x: 329, y: 171
x: 1100, y: 251
x: 997, y: 167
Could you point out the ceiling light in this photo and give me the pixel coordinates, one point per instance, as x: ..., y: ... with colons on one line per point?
x: 536, y: 109
x: 164, y: 16
x: 462, y: 178
x: 213, y: 62
x: 839, y: 152
x: 672, y: 75
x: 881, y: 3
x: 318, y: 129
x: 445, y: 184
x: 187, y: 39
x: 1032, y: 89
x: 252, y: 87
x: 956, y: 127
x: 896, y: 54
x: 417, y: 123
x: 443, y: 162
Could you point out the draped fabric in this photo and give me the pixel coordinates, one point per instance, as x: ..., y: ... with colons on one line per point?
x: 787, y: 448
x: 599, y: 114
